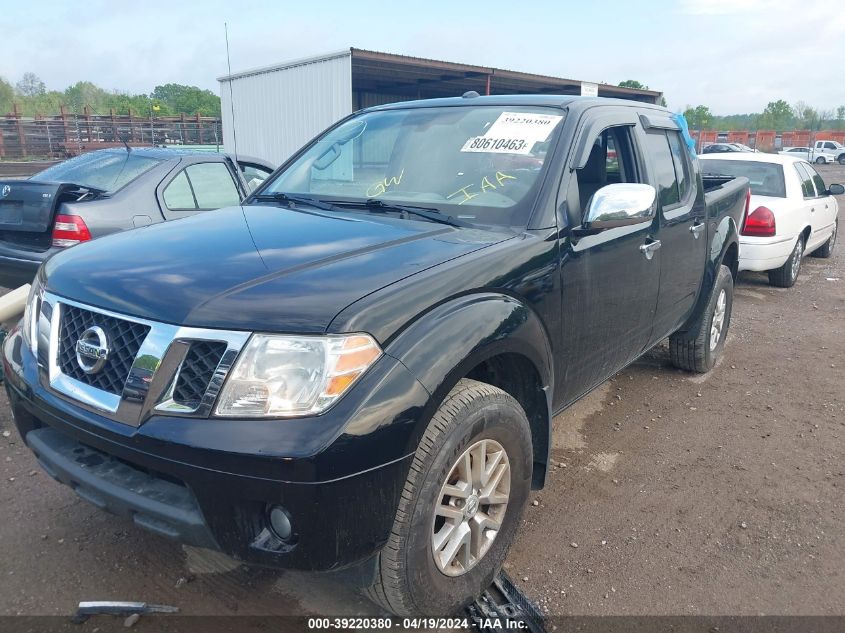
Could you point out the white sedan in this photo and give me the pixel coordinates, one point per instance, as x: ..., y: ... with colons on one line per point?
x: 807, y: 154
x: 791, y: 212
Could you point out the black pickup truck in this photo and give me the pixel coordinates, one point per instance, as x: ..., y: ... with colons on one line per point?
x: 357, y: 369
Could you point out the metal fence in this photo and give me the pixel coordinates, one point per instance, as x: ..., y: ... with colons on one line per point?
x: 67, y: 135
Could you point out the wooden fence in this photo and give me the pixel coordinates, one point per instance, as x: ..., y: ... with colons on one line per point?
x: 65, y: 135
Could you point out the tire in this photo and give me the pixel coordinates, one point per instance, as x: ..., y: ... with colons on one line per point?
x: 820, y: 161
x: 787, y: 275
x: 409, y: 581
x: 826, y: 250
x: 841, y: 159
x: 698, y: 348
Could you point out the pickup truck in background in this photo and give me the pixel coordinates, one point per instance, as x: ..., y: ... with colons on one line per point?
x: 357, y: 369
x: 808, y: 154
x: 111, y: 190
x: 824, y: 151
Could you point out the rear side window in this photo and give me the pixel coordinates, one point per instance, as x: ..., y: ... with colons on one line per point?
x: 680, y: 157
x: 766, y: 178
x: 107, y: 171
x: 178, y: 194
x: 663, y: 169
x: 807, y: 187
x: 254, y: 175
x: 213, y: 185
x: 821, y: 188
x: 203, y: 186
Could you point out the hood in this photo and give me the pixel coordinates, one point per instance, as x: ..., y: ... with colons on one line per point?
x: 257, y: 267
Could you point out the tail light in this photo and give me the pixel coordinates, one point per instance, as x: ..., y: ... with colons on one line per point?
x: 69, y: 230
x: 760, y: 223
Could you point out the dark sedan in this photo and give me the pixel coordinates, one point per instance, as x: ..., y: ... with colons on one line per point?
x: 112, y: 190
x: 721, y: 148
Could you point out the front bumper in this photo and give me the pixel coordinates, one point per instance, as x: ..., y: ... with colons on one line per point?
x: 180, y: 477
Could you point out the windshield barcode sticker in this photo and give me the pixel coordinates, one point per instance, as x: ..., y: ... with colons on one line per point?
x: 514, y: 133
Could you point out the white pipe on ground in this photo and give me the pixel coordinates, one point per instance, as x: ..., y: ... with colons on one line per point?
x: 12, y: 305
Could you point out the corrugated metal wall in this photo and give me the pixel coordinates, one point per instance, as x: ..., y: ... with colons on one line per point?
x: 278, y: 110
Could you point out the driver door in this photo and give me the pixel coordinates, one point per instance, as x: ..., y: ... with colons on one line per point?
x: 610, y: 277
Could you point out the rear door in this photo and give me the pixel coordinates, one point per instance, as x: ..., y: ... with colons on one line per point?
x: 811, y: 208
x: 825, y: 209
x: 609, y: 285
x: 683, y: 230
x: 199, y: 186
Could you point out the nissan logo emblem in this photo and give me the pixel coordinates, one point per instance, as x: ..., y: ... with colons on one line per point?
x: 6, y: 190
x: 92, y: 350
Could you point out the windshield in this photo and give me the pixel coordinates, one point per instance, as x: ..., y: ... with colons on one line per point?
x: 107, y: 171
x: 477, y: 164
x: 766, y: 178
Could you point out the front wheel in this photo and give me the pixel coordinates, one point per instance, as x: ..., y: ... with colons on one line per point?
x: 787, y: 275
x: 841, y: 159
x: 698, y: 348
x: 461, y: 505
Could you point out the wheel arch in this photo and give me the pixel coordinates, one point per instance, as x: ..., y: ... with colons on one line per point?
x: 489, y: 337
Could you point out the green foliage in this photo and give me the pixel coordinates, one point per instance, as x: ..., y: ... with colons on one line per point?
x: 777, y: 115
x: 7, y: 96
x: 31, y: 85
x: 188, y: 99
x: 698, y: 117
x: 632, y: 83
x: 33, y: 99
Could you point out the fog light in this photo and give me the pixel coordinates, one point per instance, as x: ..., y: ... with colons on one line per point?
x: 280, y: 522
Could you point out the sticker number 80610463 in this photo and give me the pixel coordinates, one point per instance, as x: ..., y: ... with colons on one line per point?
x: 504, y: 145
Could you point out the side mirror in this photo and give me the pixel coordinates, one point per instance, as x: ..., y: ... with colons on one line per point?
x: 620, y: 204
x: 836, y: 190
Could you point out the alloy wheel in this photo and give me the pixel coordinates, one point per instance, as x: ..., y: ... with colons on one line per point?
x: 471, y: 507
x: 718, y: 322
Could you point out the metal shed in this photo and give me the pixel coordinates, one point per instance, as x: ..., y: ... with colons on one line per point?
x: 281, y: 107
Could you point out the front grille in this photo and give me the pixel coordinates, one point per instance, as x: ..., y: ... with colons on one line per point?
x: 125, y: 339
x: 197, y: 370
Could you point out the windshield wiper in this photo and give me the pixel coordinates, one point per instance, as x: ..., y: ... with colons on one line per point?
x: 429, y: 213
x: 280, y: 196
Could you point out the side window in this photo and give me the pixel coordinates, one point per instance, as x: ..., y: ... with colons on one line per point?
x: 807, y: 187
x: 821, y: 188
x: 213, y: 185
x: 612, y: 160
x: 178, y: 194
x: 664, y: 169
x: 254, y: 175
x: 829, y: 146
x: 681, y: 159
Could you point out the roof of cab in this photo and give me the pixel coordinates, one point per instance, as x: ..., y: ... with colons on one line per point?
x: 544, y: 100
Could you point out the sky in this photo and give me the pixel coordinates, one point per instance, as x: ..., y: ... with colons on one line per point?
x: 734, y: 56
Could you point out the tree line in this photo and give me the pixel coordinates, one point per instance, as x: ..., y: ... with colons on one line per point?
x: 778, y: 115
x: 33, y: 98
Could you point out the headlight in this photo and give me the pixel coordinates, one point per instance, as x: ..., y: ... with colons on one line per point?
x: 29, y: 325
x: 287, y: 376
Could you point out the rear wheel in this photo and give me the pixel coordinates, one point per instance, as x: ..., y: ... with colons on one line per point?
x: 786, y: 275
x: 698, y: 348
x: 820, y: 161
x: 826, y: 250
x: 461, y: 504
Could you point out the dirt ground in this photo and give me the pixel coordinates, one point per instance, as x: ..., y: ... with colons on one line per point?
x: 672, y: 493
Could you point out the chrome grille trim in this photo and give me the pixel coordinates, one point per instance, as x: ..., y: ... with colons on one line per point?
x: 162, y: 352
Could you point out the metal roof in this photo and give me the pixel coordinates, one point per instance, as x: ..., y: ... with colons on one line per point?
x: 418, y: 77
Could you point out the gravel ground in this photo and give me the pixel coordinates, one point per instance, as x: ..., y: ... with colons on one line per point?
x: 673, y: 494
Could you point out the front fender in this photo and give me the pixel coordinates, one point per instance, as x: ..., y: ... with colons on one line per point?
x: 448, y: 342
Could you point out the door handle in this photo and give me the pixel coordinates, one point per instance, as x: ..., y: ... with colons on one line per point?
x: 648, y: 248
x: 813, y: 210
x: 696, y: 229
